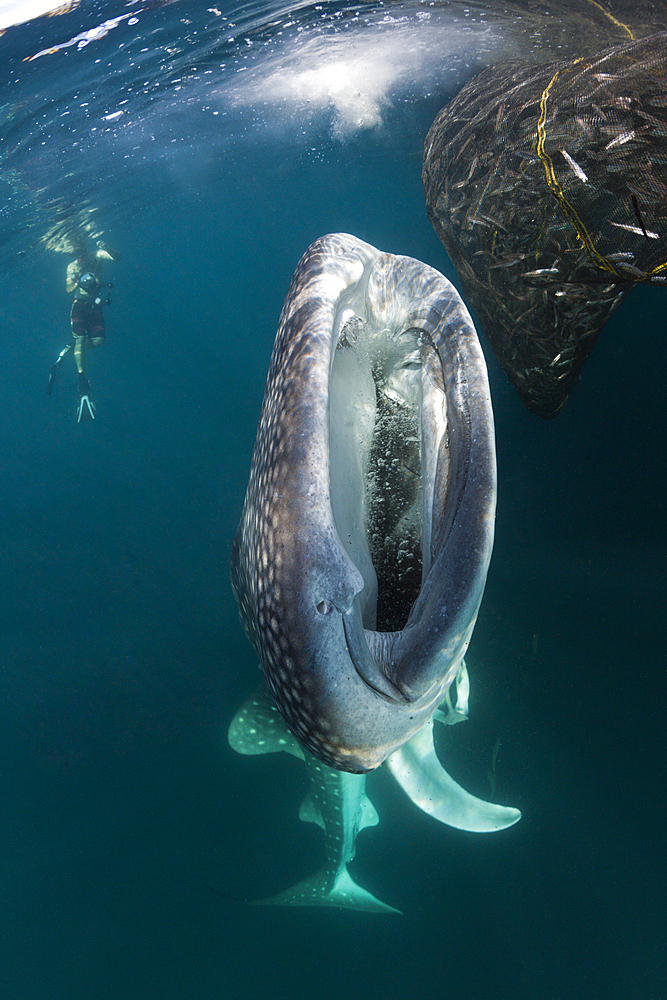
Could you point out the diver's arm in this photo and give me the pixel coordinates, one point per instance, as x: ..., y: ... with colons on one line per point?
x: 106, y: 253
x: 73, y: 275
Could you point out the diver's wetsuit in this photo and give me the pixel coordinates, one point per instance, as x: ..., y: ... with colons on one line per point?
x: 87, y: 320
x: 86, y: 316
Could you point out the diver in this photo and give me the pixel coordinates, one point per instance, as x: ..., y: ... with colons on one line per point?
x: 84, y: 279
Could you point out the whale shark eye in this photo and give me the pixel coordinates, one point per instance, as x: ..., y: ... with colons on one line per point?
x: 325, y: 608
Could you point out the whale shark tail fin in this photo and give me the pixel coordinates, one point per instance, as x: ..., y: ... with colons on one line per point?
x: 319, y: 891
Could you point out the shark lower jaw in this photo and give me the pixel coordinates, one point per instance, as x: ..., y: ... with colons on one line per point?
x: 364, y: 662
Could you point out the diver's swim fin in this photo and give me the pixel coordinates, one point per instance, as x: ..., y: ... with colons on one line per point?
x: 86, y: 408
x: 52, y: 374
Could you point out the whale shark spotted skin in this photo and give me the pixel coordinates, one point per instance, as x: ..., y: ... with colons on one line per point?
x: 337, y: 801
x: 366, y: 532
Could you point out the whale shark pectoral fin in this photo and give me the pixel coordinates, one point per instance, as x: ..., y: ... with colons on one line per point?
x: 314, y: 891
x: 363, y: 660
x: 416, y: 768
x: 258, y: 728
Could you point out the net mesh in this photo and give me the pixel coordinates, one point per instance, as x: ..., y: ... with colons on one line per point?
x: 548, y: 187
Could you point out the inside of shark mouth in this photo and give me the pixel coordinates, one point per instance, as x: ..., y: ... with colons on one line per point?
x: 376, y: 464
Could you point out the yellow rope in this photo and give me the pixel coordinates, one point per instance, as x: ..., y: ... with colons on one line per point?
x: 582, y: 233
x: 619, y: 24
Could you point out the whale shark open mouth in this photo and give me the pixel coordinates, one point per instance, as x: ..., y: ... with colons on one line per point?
x: 375, y: 402
x: 364, y: 543
x: 378, y: 450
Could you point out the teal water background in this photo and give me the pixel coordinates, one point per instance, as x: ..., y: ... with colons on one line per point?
x: 131, y: 833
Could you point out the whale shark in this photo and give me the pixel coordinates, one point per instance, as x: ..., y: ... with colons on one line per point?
x: 367, y: 527
x: 337, y: 801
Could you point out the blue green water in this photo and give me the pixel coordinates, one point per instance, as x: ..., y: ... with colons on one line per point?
x: 122, y: 657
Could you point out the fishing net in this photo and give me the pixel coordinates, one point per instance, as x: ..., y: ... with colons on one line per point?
x: 548, y: 187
